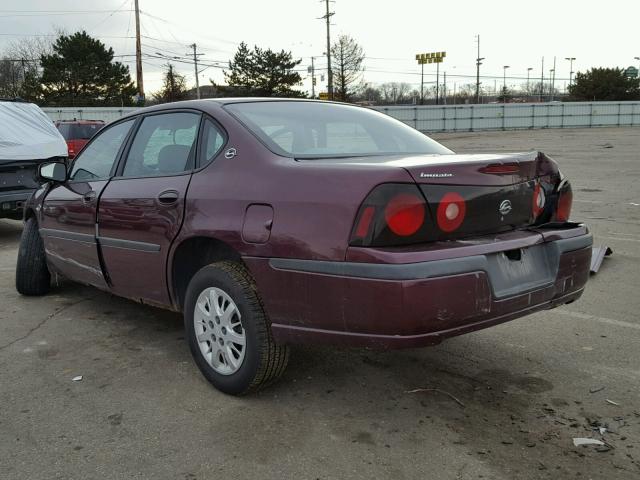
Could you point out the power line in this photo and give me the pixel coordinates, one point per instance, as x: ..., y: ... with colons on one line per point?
x: 53, y: 14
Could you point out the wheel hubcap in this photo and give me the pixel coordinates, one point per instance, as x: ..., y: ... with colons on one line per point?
x: 219, y: 331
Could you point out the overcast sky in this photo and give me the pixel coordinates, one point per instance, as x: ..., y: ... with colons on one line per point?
x: 518, y: 34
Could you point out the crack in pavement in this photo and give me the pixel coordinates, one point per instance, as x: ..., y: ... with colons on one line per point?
x: 48, y: 317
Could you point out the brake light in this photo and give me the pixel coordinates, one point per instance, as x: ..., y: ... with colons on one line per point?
x: 565, y: 199
x: 451, y: 211
x: 392, y: 214
x: 404, y: 214
x: 539, y: 200
x: 501, y: 169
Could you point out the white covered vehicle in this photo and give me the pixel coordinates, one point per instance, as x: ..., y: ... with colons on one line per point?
x: 27, y: 138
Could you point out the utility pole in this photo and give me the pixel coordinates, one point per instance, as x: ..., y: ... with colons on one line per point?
x: 195, y: 65
x: 327, y: 16
x: 313, y: 78
x: 528, y: 76
x: 478, y: 63
x: 139, y: 81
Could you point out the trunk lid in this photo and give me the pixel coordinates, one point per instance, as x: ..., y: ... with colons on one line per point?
x: 496, y: 192
x: 476, y: 169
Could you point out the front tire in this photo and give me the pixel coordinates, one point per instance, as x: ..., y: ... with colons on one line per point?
x: 228, y: 330
x: 32, y: 273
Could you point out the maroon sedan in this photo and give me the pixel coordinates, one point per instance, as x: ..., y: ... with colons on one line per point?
x: 272, y: 222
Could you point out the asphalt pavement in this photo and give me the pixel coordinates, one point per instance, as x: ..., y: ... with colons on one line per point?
x: 503, y: 403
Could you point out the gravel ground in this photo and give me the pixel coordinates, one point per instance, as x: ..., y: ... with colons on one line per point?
x: 506, y: 403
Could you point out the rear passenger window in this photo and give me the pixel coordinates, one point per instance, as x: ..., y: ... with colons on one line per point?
x: 212, y: 141
x: 163, y: 145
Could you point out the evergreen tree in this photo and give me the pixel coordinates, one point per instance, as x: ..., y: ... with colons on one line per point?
x: 263, y: 73
x: 81, y: 71
x: 600, y: 84
x: 174, y: 87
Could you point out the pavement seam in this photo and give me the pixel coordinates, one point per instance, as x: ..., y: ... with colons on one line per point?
x: 48, y: 317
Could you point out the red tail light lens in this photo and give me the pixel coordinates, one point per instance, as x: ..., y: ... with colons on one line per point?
x: 404, y: 214
x: 364, y: 222
x: 451, y: 211
x: 565, y: 200
x: 501, y: 169
x: 392, y: 214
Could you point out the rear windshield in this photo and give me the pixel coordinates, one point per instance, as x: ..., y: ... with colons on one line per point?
x: 79, y: 131
x: 308, y: 130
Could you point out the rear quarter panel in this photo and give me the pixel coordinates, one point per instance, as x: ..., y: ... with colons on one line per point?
x: 314, y: 205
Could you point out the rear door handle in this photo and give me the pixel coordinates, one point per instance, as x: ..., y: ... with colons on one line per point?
x: 168, y: 197
x: 89, y: 197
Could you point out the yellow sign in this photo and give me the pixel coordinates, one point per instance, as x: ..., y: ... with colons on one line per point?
x: 323, y: 96
x: 431, y: 57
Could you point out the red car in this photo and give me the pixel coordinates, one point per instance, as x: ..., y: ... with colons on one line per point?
x: 78, y: 132
x: 271, y: 222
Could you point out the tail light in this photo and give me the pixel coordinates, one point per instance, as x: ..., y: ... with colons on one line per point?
x: 404, y: 214
x: 451, y: 211
x: 500, y: 169
x: 539, y: 200
x: 565, y: 199
x: 392, y: 214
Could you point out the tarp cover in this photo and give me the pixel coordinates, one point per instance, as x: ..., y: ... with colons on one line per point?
x: 26, y: 133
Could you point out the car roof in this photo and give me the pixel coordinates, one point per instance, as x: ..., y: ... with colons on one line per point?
x: 207, y: 103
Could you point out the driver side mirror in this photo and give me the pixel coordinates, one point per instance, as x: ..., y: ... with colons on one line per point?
x: 53, y: 172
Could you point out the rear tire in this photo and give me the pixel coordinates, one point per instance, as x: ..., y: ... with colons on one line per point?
x: 32, y: 273
x: 228, y: 331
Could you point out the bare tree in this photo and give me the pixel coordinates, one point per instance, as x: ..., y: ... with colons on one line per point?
x: 347, y: 73
x: 396, y: 93
x: 20, y: 66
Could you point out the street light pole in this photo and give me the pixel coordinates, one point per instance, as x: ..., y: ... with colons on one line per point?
x: 504, y: 83
x: 553, y: 78
x: 422, y: 84
x: 571, y: 59
x: 528, y: 76
x: 541, y: 81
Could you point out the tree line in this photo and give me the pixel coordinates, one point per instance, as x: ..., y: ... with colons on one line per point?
x: 79, y: 70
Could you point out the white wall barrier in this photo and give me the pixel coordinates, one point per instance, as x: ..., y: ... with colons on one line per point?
x: 455, y: 118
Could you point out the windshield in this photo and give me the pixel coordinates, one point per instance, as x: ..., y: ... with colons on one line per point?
x: 309, y: 130
x: 79, y: 131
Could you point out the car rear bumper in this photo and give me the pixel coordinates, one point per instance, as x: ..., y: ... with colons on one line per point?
x: 437, y: 294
